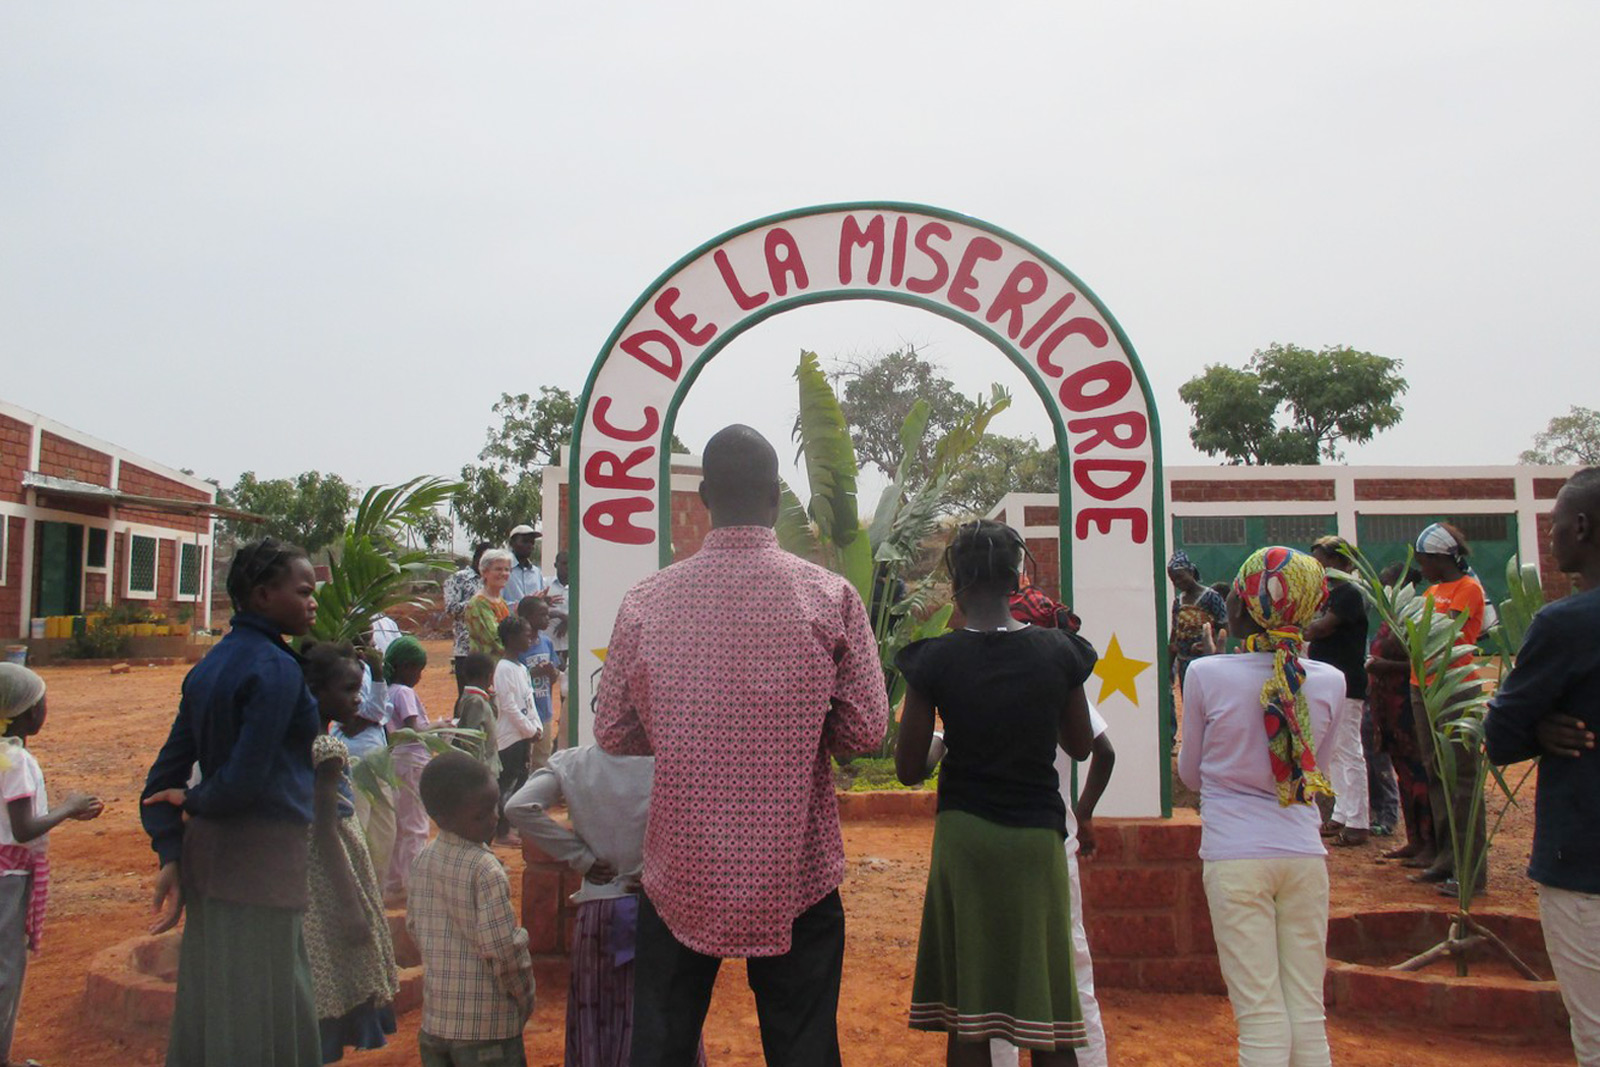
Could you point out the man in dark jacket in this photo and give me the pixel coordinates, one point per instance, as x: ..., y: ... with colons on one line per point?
x: 1548, y: 706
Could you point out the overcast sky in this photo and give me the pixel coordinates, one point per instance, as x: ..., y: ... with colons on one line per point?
x: 285, y: 236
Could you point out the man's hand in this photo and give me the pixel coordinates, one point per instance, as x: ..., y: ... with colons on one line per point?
x: 167, y: 902
x: 1086, y: 844
x: 175, y: 797
x: 1563, y: 735
x: 546, y: 670
x: 83, y: 808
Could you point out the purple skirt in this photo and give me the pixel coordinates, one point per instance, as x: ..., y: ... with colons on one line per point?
x: 600, y: 1000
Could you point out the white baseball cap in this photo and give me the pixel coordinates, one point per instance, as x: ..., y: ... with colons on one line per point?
x: 524, y: 528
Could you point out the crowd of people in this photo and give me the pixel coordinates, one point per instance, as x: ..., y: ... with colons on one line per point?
x: 703, y: 820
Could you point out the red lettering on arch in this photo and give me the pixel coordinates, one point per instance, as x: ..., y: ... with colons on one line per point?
x: 745, y: 301
x: 682, y: 325
x: 784, y: 262
x: 1102, y: 518
x: 1048, y: 319
x: 1125, y: 430
x: 1079, y: 326
x: 1025, y: 285
x: 602, y: 422
x: 961, y: 286
x: 612, y: 520
x: 941, y: 267
x: 668, y: 362
x: 852, y: 236
x: 1115, y: 377
x: 1131, y: 472
x: 607, y: 470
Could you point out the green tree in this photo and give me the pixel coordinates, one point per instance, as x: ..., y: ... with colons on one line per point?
x: 999, y: 465
x: 1571, y: 438
x: 1292, y: 405
x: 310, y: 510
x: 505, y: 487
x: 877, y: 398
x: 878, y: 554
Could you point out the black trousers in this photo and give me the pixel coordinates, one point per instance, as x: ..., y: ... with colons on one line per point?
x: 797, y: 994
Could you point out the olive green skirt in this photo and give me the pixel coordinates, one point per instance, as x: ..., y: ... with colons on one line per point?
x: 995, y: 954
x: 244, y: 989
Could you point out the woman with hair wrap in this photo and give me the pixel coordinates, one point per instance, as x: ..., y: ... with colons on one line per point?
x: 1254, y: 726
x: 403, y: 663
x: 995, y: 953
x: 1442, y: 558
x: 239, y: 864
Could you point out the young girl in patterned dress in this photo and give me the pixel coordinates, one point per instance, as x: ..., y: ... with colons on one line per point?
x: 347, y: 934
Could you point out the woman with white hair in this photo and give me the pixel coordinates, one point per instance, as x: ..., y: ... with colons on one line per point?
x: 486, y: 610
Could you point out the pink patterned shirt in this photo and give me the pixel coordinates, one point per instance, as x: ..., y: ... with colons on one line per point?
x: 741, y: 669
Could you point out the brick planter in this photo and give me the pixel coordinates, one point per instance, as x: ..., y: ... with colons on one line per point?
x: 1145, y: 907
x: 547, y: 914
x: 1357, y: 984
x: 132, y: 986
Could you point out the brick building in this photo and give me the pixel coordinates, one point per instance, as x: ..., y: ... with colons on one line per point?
x: 1220, y: 514
x: 83, y: 523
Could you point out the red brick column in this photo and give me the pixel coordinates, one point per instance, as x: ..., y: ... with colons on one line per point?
x: 547, y: 914
x: 1144, y: 907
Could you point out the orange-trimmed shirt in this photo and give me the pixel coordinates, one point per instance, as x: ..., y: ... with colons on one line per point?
x: 1464, y: 596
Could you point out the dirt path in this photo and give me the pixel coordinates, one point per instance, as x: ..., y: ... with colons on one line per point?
x: 104, y: 729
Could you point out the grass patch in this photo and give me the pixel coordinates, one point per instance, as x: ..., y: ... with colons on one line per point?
x: 868, y: 774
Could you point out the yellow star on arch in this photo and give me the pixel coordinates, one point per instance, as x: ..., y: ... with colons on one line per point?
x: 600, y: 653
x: 1117, y: 673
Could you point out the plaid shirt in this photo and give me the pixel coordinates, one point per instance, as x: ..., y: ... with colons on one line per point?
x: 741, y: 669
x: 477, y: 982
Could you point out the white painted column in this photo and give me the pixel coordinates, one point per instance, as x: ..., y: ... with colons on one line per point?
x: 1527, y: 519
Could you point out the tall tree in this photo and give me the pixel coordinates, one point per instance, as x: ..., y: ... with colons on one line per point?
x: 999, y: 465
x: 310, y: 510
x: 877, y: 397
x: 1571, y: 438
x: 1292, y: 405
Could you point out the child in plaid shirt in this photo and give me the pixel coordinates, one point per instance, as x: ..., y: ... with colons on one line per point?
x: 477, y: 988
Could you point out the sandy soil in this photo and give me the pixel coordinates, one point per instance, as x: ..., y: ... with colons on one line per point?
x: 104, y: 729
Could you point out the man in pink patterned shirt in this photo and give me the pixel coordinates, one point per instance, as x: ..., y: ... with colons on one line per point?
x: 741, y: 669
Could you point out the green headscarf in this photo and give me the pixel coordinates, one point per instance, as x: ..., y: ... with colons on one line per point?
x: 403, y: 652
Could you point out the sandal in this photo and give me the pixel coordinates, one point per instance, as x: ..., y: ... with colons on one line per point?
x: 1332, y: 829
x: 1348, y: 838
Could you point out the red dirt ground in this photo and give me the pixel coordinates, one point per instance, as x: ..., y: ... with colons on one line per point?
x: 104, y: 729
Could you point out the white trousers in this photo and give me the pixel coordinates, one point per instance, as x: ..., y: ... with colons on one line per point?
x: 1347, y: 770
x: 1004, y: 1053
x: 1270, y: 918
x: 1572, y: 938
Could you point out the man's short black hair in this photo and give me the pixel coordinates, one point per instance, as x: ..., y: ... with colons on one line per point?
x: 448, y: 780
x: 476, y: 667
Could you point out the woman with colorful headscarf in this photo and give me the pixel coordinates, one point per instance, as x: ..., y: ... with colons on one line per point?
x: 1442, y: 558
x: 1254, y: 733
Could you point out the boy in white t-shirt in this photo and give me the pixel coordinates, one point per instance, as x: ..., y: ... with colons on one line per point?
x: 518, y: 723
x: 24, y: 866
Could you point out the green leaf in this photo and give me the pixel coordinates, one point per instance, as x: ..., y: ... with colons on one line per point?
x: 829, y: 456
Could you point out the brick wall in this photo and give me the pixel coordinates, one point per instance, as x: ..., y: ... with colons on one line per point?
x: 137, y: 480
x: 1047, y: 564
x: 1556, y: 585
x: 15, y: 437
x: 11, y: 591
x: 1547, y: 488
x: 1034, y: 515
x: 1145, y: 907
x: 1435, y: 489
x: 61, y: 458
x: 690, y: 523
x: 1265, y: 489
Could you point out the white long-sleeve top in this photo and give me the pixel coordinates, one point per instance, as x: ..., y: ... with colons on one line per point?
x: 1224, y: 757
x: 608, y: 802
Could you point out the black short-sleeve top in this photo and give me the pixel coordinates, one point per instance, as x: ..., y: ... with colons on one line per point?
x: 1000, y: 695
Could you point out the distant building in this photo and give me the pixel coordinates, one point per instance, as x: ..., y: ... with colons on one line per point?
x: 85, y: 523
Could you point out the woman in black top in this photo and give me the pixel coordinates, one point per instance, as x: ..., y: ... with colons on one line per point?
x: 994, y: 958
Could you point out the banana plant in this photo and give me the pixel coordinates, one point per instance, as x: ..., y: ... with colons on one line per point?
x: 875, y: 554
x: 1455, y: 704
x: 374, y: 774
x: 375, y: 569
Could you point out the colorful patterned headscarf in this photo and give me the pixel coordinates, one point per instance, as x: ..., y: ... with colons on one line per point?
x: 1283, y: 590
x: 1180, y: 561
